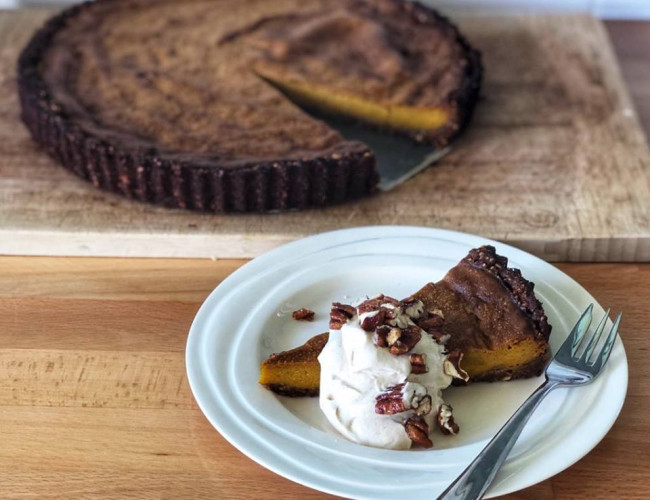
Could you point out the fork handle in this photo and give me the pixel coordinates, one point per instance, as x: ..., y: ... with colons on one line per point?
x: 478, y: 476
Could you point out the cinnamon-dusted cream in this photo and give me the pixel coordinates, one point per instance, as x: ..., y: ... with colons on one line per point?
x: 382, y: 376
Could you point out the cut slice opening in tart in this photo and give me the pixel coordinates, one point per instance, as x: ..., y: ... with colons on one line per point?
x: 342, y: 63
x: 413, y: 120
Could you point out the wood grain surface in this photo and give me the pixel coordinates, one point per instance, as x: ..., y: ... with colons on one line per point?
x: 555, y: 162
x: 94, y: 400
x: 630, y: 40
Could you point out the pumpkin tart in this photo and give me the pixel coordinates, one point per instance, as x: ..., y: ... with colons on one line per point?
x: 193, y: 104
x: 490, y: 315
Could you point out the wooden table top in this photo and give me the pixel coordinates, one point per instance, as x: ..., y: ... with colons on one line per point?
x: 95, y: 401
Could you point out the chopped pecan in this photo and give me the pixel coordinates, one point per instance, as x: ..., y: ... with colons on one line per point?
x: 445, y: 420
x: 337, y: 319
x: 451, y: 366
x: 348, y: 310
x: 303, y: 315
x: 391, y: 312
x: 370, y: 305
x: 422, y: 406
x: 391, y: 401
x: 409, y: 337
x: 340, y: 314
x: 389, y: 300
x: 412, y: 307
x: 393, y: 336
x: 418, y: 431
x: 387, y: 307
x: 373, y: 320
x: 396, y: 400
x: 419, y: 363
x: 380, y: 336
x: 399, y: 319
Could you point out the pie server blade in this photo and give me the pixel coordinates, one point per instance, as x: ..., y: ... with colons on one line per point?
x: 398, y: 158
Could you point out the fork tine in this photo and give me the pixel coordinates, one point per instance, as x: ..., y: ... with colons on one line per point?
x: 580, y: 329
x: 591, y: 346
x: 609, y: 343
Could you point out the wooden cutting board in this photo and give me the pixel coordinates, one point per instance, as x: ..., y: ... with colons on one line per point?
x: 554, y: 162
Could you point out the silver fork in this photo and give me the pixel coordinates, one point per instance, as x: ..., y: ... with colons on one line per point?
x: 569, y: 367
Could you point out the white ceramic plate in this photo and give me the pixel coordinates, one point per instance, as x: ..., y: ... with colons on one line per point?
x: 248, y: 316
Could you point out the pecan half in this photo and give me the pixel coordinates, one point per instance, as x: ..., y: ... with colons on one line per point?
x: 409, y: 337
x: 303, y: 315
x: 451, y: 366
x: 340, y: 314
x: 419, y: 363
x: 445, y: 420
x: 418, y: 431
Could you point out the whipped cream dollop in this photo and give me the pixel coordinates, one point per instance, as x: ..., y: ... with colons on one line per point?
x: 382, y: 375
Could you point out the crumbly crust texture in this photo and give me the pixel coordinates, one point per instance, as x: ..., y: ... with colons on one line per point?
x: 134, y: 166
x: 292, y: 392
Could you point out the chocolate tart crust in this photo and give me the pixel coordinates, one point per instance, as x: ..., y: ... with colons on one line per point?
x: 292, y: 392
x: 341, y: 173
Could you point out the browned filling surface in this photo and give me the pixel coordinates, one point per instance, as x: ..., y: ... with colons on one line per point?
x: 178, y: 77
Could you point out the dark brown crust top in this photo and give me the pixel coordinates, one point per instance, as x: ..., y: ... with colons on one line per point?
x: 308, y: 352
x: 145, y: 174
x: 463, y: 100
x: 522, y: 291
